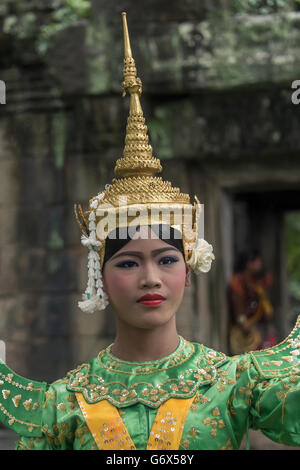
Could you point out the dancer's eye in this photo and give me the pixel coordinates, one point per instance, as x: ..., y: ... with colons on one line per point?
x: 127, y: 264
x: 167, y: 260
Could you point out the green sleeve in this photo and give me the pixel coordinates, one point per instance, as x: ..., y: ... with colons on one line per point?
x: 277, y: 409
x: 58, y: 425
x: 21, y: 402
x: 34, y: 443
x: 276, y: 396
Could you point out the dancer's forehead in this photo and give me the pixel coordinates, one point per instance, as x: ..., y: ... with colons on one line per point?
x: 142, y: 248
x: 143, y: 237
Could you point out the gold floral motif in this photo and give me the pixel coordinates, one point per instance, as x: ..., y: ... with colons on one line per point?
x: 228, y: 445
x: 55, y: 428
x: 49, y: 395
x: 16, y: 400
x: 221, y: 424
x: 193, y: 432
x: 8, y: 378
x: 154, y: 398
x: 185, y: 443
x: 277, y: 363
x: 27, y: 404
x: 289, y: 346
x: 224, y: 373
x: 203, y: 399
x: 5, y: 394
x: 216, y: 423
x: 184, y: 386
x: 281, y: 395
x: 216, y: 412
x: 293, y: 378
x: 71, y: 397
x: 287, y: 358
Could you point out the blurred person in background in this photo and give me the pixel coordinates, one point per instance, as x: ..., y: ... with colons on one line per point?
x: 251, y: 310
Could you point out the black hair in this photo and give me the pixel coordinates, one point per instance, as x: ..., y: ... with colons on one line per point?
x: 244, y: 257
x: 119, y: 237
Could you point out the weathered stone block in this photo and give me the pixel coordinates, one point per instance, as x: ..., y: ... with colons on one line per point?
x: 49, y: 360
x: 31, y: 134
x: 9, y: 275
x: 9, y: 182
x: 184, y: 316
x: 84, y: 324
x: 9, y: 233
x: 87, y: 347
x: 40, y: 182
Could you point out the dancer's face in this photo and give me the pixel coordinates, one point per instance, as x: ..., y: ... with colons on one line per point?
x: 146, y: 267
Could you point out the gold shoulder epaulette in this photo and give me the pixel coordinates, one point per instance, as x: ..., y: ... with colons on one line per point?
x: 281, y: 360
x: 21, y: 402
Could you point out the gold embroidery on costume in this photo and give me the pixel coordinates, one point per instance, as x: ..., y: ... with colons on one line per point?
x: 267, y: 358
x: 228, y: 445
x: 216, y: 422
x: 110, y: 433
x: 106, y: 425
x: 168, y: 425
x: 95, y: 388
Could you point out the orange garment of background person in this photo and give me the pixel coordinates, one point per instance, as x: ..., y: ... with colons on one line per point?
x: 252, y: 312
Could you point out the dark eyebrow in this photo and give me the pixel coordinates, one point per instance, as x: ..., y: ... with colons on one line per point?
x: 139, y: 254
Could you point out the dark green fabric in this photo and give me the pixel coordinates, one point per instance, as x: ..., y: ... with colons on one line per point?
x: 21, y: 402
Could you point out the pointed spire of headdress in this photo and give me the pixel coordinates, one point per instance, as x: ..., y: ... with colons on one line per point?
x: 137, y: 157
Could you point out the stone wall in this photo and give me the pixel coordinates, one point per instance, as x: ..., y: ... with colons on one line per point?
x: 217, y: 101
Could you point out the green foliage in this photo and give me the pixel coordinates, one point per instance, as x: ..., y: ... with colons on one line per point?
x: 21, y: 20
x: 22, y: 27
x: 67, y: 13
x: 259, y: 7
x: 293, y: 252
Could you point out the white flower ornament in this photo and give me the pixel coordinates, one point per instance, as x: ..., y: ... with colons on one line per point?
x: 202, y: 257
x: 94, y: 298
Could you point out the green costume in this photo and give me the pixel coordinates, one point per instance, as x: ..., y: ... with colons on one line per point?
x: 259, y: 390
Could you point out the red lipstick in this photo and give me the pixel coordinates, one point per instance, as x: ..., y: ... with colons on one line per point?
x: 151, y: 300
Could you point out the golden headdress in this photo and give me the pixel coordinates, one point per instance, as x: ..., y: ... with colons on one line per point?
x: 136, y: 197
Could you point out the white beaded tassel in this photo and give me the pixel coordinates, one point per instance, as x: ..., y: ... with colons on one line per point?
x: 94, y: 298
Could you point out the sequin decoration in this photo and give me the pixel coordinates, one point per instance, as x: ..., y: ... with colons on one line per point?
x: 109, y: 431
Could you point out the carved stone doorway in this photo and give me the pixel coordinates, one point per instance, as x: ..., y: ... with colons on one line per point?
x: 258, y: 220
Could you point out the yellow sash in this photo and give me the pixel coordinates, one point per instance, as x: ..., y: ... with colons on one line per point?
x: 110, y: 433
